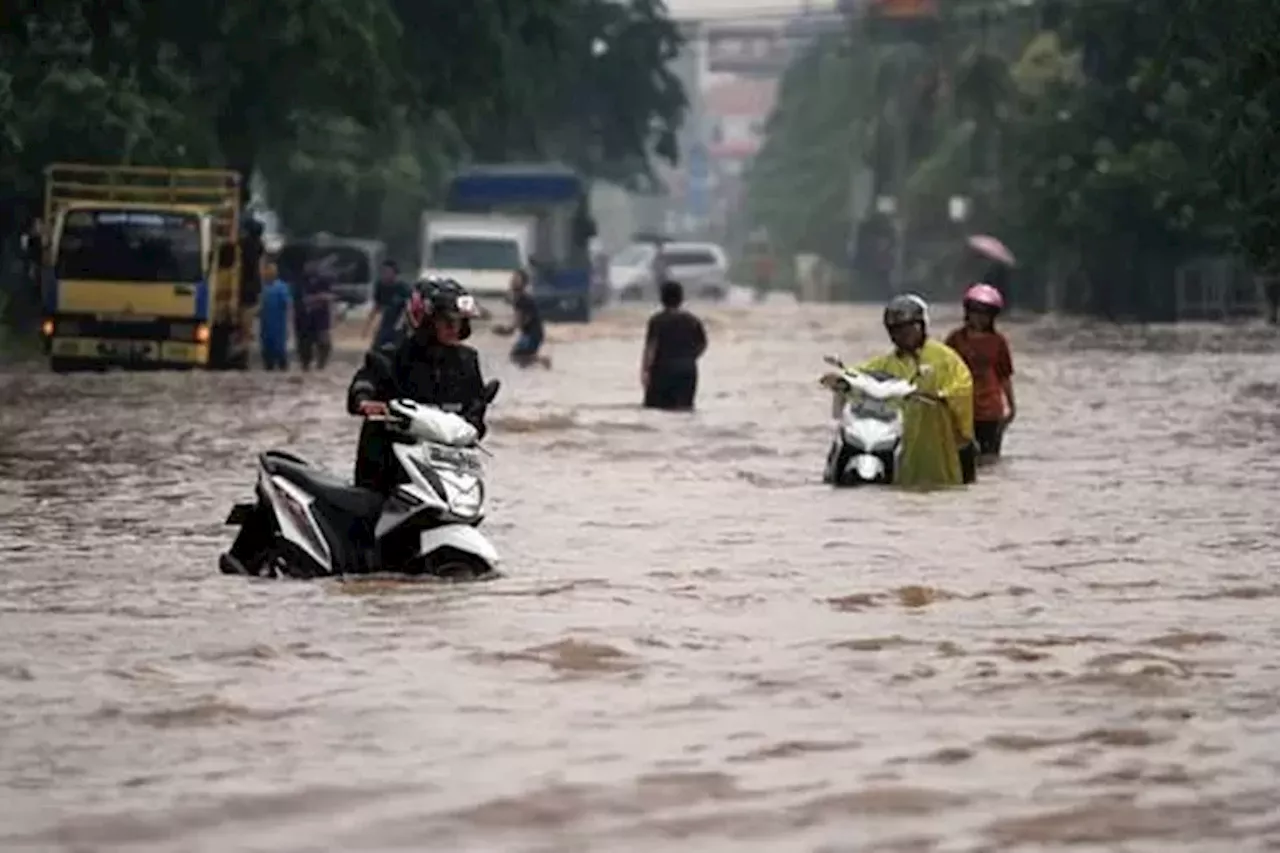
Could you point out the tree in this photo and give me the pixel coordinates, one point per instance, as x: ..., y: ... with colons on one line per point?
x: 1110, y: 158
x: 798, y: 184
x: 1225, y: 59
x: 603, y: 99
x: 585, y: 83
x: 352, y: 109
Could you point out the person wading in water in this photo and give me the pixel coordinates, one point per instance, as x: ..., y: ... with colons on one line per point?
x: 673, y: 343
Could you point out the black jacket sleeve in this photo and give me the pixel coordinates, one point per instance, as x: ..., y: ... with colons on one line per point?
x: 367, y: 385
x: 473, y: 389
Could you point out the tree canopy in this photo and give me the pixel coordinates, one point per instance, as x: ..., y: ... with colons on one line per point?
x: 352, y: 110
x: 1126, y: 132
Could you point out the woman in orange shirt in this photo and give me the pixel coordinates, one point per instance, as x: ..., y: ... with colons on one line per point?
x: 987, y: 353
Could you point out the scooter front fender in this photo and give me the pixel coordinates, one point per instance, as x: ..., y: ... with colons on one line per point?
x: 462, y: 537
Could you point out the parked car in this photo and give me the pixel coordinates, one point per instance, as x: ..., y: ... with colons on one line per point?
x: 631, y: 273
x: 703, y: 268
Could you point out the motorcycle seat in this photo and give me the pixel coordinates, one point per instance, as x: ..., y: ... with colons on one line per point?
x: 362, y: 503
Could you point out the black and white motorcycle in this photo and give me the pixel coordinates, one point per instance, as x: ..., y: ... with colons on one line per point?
x: 307, y: 523
x: 868, y: 429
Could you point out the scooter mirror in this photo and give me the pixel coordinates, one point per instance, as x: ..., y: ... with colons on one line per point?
x: 833, y: 360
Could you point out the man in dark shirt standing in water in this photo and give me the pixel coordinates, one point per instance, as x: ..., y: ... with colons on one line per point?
x: 673, y: 343
x: 389, y: 299
x: 313, y: 314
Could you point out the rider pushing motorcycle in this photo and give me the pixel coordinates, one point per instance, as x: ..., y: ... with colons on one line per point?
x: 937, y: 429
x: 430, y: 365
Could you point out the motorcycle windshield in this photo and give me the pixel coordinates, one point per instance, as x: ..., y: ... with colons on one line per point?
x: 879, y: 389
x: 871, y: 408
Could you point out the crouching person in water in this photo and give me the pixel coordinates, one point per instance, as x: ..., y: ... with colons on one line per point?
x: 429, y: 365
x: 673, y: 343
x: 528, y: 321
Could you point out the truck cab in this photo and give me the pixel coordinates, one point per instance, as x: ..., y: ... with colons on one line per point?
x: 143, y: 268
x: 557, y: 199
x: 480, y: 251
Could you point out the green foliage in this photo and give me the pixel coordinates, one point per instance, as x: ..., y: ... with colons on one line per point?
x: 352, y: 109
x: 1225, y: 58
x: 798, y: 185
x: 1145, y: 127
x: 1119, y: 156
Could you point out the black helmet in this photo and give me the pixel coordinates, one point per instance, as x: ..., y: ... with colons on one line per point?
x: 438, y: 296
x: 906, y: 308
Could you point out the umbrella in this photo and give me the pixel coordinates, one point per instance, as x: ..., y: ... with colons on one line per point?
x: 990, y: 247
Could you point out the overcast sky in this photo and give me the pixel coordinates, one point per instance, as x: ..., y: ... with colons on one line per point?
x: 720, y: 8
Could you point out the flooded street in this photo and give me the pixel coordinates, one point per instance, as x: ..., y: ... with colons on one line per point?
x: 699, y: 646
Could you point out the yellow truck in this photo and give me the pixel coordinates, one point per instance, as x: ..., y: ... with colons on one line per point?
x: 143, y: 268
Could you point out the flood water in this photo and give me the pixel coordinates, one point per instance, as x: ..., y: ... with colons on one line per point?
x: 699, y: 646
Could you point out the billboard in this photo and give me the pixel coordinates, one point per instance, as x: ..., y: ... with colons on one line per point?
x: 746, y: 49
x: 903, y: 20
x: 902, y: 9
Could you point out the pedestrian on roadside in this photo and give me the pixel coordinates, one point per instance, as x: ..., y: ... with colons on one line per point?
x: 390, y: 296
x: 313, y: 316
x: 273, y: 318
x: 673, y: 343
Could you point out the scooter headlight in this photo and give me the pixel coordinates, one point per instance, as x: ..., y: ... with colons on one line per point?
x: 868, y: 467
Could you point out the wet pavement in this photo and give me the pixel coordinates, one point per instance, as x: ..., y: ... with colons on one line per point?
x: 699, y: 646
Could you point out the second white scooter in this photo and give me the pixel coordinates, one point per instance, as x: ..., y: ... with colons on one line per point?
x: 868, y: 430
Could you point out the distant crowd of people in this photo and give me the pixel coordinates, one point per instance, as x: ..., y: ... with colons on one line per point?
x: 308, y: 301
x: 674, y: 339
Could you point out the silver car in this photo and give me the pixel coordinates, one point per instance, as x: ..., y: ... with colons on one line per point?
x: 703, y: 269
x: 631, y: 273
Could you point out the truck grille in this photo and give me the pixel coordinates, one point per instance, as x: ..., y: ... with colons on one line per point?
x: 138, y: 330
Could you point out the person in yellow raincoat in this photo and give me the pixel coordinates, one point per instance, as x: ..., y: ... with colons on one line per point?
x: 937, y: 428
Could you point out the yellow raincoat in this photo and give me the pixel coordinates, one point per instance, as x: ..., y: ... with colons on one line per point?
x: 932, y: 434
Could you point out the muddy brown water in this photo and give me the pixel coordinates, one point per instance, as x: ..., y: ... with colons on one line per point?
x: 699, y: 647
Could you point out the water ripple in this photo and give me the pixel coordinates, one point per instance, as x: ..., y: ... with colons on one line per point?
x: 699, y: 647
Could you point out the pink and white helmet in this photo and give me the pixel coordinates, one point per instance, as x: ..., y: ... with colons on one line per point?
x: 985, y: 296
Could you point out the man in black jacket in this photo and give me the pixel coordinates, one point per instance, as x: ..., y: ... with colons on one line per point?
x: 429, y: 365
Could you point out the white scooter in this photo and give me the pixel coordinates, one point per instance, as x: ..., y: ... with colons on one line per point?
x: 868, y: 430
x: 307, y: 523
